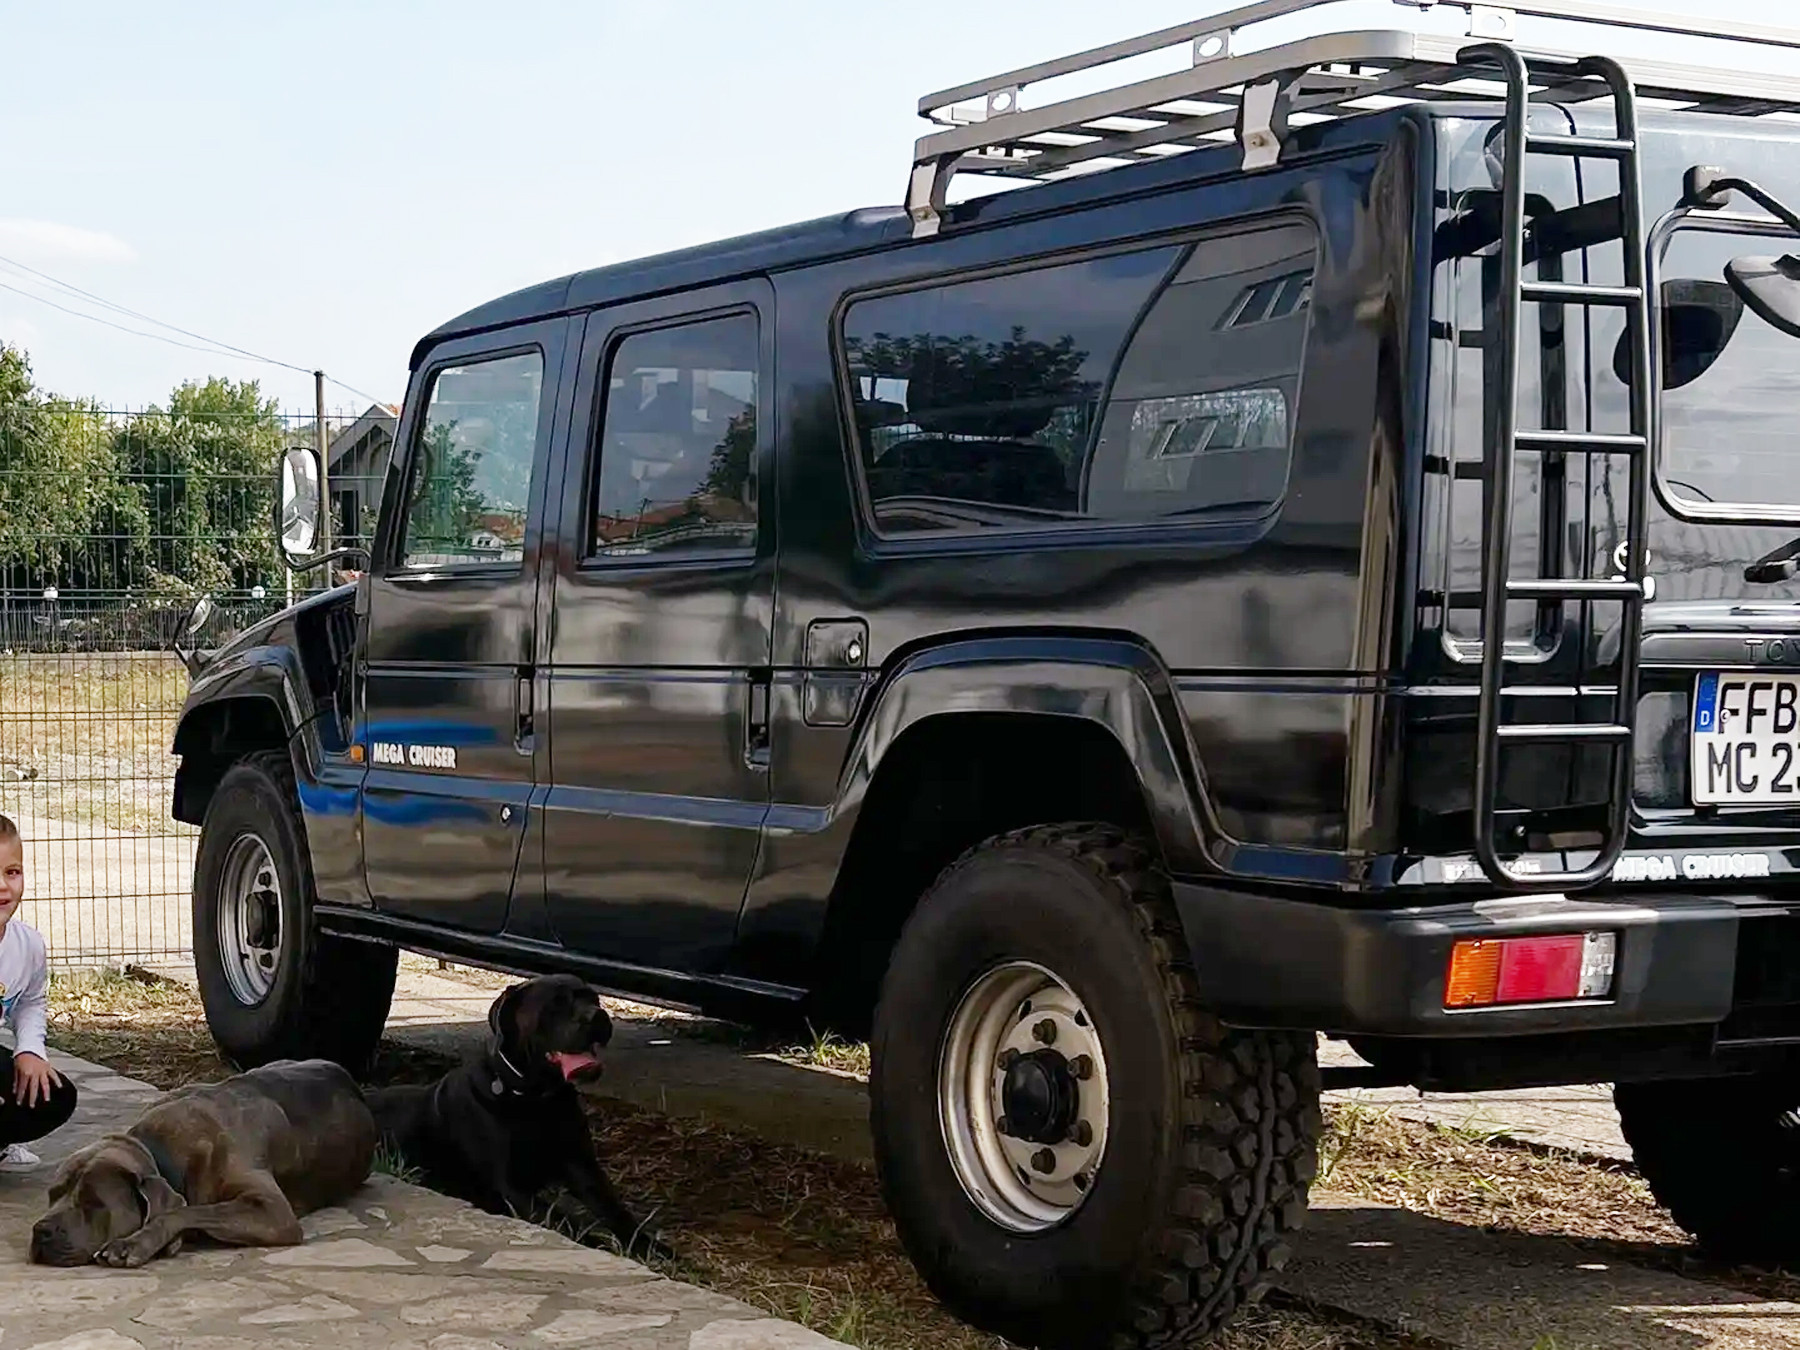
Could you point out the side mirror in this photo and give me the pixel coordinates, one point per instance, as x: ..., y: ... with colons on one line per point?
x: 1770, y: 287
x: 300, y: 507
x: 1698, y: 319
x: 186, y: 644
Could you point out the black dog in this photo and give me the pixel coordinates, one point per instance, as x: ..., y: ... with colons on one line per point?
x: 507, y: 1124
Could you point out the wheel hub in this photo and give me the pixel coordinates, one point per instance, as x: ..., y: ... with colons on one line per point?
x: 1039, y: 1098
x: 249, y: 914
x: 1022, y: 1097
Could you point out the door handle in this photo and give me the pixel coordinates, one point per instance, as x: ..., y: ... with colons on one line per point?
x: 756, y: 722
x: 525, y: 732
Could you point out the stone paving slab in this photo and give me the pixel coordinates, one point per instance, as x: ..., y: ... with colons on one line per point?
x: 397, y: 1268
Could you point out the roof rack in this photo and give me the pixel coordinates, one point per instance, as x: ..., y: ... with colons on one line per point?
x: 1230, y: 92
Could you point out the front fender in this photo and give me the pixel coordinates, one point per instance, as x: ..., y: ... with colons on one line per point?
x: 1113, y: 683
x: 269, y: 673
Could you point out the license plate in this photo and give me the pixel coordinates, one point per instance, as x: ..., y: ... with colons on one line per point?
x: 1746, y: 740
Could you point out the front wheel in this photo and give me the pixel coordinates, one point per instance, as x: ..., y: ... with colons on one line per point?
x: 1074, y: 1150
x: 273, y: 985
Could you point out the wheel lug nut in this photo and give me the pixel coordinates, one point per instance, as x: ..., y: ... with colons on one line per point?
x: 1043, y: 1161
x: 1082, y: 1134
x: 1082, y: 1067
x: 1045, y: 1031
x: 1004, y: 1126
x: 1008, y: 1058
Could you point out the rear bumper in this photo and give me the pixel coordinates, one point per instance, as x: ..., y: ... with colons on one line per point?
x: 1267, y: 962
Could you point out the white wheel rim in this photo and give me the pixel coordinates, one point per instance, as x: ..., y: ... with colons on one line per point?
x: 249, y: 919
x: 1014, y: 1011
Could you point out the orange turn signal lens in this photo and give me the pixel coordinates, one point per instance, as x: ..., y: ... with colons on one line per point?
x: 1474, y: 976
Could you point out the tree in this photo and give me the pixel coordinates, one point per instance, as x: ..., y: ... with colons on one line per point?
x: 66, y: 520
x: 733, y: 461
x: 446, y: 508
x: 970, y: 386
x: 204, y: 470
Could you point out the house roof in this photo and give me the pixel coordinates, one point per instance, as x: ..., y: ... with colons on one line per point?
x: 382, y: 415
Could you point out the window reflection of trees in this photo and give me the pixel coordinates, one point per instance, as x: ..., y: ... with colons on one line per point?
x: 669, y: 477
x: 472, y: 474
x: 1130, y: 387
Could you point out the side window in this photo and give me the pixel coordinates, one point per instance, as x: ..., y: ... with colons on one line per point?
x: 1140, y: 386
x: 472, y: 461
x: 676, y: 462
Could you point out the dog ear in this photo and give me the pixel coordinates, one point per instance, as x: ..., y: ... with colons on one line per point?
x: 70, y: 1169
x: 499, y: 1020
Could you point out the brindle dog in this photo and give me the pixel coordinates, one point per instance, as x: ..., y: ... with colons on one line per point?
x: 239, y: 1161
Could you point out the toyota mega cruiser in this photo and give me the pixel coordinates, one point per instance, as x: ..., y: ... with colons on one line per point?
x: 1313, y: 553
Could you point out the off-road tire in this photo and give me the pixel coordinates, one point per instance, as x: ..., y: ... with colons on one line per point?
x: 330, y: 995
x: 1213, y: 1132
x: 1722, y: 1155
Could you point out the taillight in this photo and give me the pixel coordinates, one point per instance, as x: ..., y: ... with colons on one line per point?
x: 1552, y: 969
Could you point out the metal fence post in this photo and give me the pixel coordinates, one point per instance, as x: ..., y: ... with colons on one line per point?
x: 324, y: 468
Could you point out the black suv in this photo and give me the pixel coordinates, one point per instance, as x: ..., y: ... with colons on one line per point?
x: 1045, y: 633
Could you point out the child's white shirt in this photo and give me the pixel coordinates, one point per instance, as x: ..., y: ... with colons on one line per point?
x: 24, y: 986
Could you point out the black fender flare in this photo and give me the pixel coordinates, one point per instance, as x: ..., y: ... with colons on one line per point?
x: 271, y: 674
x: 1115, y: 683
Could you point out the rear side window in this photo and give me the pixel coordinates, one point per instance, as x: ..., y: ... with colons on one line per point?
x: 471, y: 475
x: 677, y: 455
x: 1139, y: 386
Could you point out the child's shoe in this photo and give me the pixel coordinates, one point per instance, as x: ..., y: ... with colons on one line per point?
x: 18, y: 1158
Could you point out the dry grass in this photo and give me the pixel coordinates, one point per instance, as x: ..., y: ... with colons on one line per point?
x: 796, y: 1233
x: 84, y: 737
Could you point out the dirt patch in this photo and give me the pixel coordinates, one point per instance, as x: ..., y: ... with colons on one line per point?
x: 797, y: 1233
x: 1485, y: 1180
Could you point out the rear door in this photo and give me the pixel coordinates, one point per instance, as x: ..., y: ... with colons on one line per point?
x: 658, y: 681
x: 453, y: 641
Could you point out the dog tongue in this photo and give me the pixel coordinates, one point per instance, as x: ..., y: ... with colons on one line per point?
x: 570, y: 1065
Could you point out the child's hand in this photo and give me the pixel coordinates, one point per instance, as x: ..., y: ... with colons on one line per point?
x: 33, y: 1079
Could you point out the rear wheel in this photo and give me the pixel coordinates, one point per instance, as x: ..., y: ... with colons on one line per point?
x: 1074, y: 1150
x: 273, y: 985
x: 1723, y: 1156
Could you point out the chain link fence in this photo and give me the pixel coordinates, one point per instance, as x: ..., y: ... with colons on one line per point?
x: 112, y: 523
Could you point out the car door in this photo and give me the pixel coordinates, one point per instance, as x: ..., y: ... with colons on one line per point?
x: 449, y: 734
x: 658, y: 679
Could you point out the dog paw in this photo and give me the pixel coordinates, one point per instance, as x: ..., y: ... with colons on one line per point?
x: 122, y: 1254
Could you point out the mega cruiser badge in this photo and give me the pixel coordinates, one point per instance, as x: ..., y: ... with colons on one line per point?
x: 413, y: 756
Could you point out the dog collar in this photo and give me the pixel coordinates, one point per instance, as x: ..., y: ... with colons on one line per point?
x: 500, y: 1088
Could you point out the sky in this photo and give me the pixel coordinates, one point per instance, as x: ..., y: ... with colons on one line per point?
x: 323, y: 183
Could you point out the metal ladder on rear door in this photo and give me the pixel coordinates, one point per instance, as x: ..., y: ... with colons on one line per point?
x: 1494, y: 734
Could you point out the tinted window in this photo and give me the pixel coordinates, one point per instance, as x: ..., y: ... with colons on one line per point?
x: 677, y: 454
x: 471, y: 475
x: 1728, y: 433
x: 1134, y: 387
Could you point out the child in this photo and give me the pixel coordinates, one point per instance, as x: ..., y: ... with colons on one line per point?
x: 34, y: 1098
